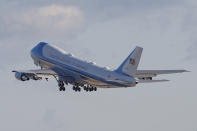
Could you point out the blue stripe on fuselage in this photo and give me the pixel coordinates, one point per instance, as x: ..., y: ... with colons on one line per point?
x: 37, y: 52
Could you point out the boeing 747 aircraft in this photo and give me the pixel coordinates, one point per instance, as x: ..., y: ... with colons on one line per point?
x: 67, y: 69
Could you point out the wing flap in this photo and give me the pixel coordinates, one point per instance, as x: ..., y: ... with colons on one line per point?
x: 37, y: 72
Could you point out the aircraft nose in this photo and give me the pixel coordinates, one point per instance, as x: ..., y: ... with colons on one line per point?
x: 37, y: 50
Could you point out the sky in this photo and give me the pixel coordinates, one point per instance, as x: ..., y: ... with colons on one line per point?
x: 104, y: 32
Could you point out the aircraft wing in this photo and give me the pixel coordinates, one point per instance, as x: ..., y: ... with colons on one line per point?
x: 154, y: 73
x: 37, y: 72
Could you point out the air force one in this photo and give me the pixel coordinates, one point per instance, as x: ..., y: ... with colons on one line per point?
x: 67, y: 69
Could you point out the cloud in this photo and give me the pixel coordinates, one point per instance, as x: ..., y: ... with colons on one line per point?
x: 110, y: 9
x: 44, y: 18
x: 22, y: 28
x: 45, y: 21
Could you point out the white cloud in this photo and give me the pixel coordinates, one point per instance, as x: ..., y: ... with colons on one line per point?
x: 46, y: 20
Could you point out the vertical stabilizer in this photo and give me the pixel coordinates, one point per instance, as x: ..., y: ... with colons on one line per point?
x: 130, y: 64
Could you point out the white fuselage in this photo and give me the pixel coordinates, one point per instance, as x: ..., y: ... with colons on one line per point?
x: 48, y: 56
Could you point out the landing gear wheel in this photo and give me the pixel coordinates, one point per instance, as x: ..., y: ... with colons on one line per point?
x: 91, y: 89
x: 62, y: 89
x: 76, y: 88
x: 95, y: 89
x: 86, y: 89
x: 61, y: 85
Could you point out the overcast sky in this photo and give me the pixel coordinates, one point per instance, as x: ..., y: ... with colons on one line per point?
x: 104, y: 32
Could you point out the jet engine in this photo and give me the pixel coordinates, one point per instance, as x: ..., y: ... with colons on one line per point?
x: 21, y: 76
x: 35, y: 77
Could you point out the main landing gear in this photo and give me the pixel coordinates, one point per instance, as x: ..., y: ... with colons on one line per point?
x: 76, y: 88
x: 86, y: 88
x: 89, y: 88
x: 61, y: 86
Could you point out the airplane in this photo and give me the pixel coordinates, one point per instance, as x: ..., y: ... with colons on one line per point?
x: 68, y: 69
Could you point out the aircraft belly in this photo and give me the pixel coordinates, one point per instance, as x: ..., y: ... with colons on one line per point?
x: 94, y: 82
x: 99, y: 84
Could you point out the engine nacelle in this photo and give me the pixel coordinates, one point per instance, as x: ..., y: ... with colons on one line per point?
x: 21, y: 76
x: 35, y: 77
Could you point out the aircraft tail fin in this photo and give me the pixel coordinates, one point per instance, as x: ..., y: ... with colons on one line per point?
x: 130, y: 64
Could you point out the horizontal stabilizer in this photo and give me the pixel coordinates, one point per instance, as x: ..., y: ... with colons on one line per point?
x: 151, y: 81
x: 153, y: 73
